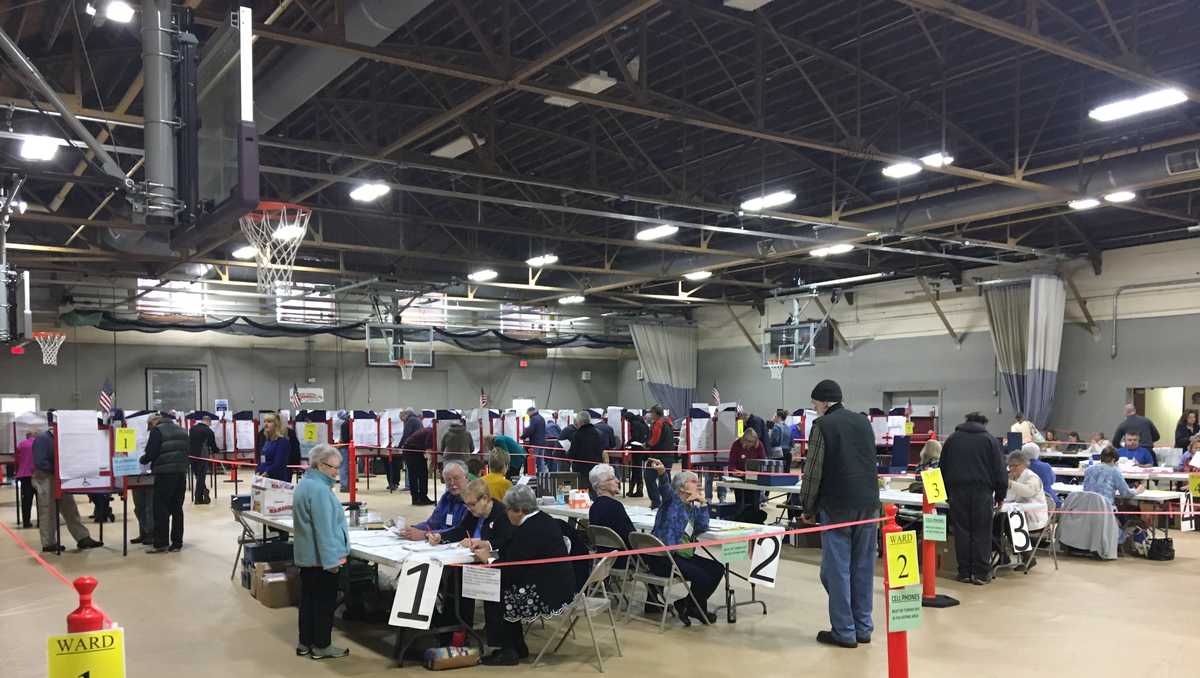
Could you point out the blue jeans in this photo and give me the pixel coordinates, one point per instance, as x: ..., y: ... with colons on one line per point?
x: 344, y: 470
x: 848, y: 573
x: 709, y: 478
x: 650, y: 477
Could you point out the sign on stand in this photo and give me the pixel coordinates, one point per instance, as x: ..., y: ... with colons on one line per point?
x: 481, y: 583
x: 416, y: 593
x: 933, y: 527
x: 96, y: 654
x: 734, y: 551
x: 765, y: 564
x: 904, y: 609
x: 935, y: 487
x: 902, y: 567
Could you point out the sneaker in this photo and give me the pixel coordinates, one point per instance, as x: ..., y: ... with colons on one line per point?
x: 89, y: 543
x: 331, y: 652
x: 302, y: 650
x: 828, y: 638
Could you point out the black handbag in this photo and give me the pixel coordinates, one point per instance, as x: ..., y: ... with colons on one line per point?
x: 1161, y: 549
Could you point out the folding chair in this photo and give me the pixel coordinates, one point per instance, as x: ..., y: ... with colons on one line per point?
x: 1049, y: 532
x: 591, y: 600
x: 606, y: 539
x: 642, y: 573
x: 248, y: 536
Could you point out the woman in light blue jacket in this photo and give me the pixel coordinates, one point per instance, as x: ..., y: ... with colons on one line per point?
x: 322, y: 546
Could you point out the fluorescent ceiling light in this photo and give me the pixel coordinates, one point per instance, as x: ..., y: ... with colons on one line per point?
x: 483, y: 275
x: 573, y: 299
x: 768, y: 201
x: 657, y: 232
x: 89, y: 9
x: 592, y: 84
x: 369, y: 192
x: 937, y: 159
x: 847, y: 281
x: 457, y: 147
x: 698, y: 275
x: 840, y: 248
x: 245, y: 252
x: 118, y: 11
x: 567, y: 321
x: 1083, y: 204
x: 37, y: 147
x: 1147, y: 102
x: 542, y: 260
x: 901, y: 170
x: 745, y: 5
x: 289, y: 232
x: 1120, y: 196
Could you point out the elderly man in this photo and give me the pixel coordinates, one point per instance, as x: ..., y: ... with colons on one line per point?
x: 201, y: 443
x: 534, y: 435
x: 167, y: 454
x: 450, y: 510
x: 841, y: 484
x: 973, y: 469
x: 411, y: 424
x: 587, y: 448
x: 1135, y: 423
x: 43, y: 485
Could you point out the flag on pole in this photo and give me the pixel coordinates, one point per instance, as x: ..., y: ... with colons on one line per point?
x: 908, y: 408
x: 106, y: 396
x: 716, y: 395
x: 295, y: 396
x: 483, y: 399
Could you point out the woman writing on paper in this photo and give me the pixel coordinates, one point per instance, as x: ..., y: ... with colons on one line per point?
x: 1025, y: 489
x: 321, y: 548
x: 276, y: 449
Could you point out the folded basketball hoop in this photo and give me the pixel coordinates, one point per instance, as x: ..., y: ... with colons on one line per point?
x: 50, y: 343
x: 275, y: 230
x: 776, y: 366
x: 406, y: 368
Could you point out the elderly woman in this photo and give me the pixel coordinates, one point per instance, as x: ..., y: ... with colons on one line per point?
x: 1044, y: 471
x: 607, y: 510
x: 931, y: 455
x: 450, y: 510
x: 485, y: 520
x: 496, y: 478
x: 682, y: 515
x: 1105, y: 478
x: 275, y: 450
x: 528, y: 593
x: 1025, y: 489
x: 1192, y: 453
x: 321, y: 548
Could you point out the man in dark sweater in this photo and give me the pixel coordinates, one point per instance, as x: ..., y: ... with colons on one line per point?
x: 841, y: 484
x: 639, y: 435
x: 587, y: 448
x: 167, y: 452
x: 201, y: 443
x: 1135, y: 423
x: 976, y: 481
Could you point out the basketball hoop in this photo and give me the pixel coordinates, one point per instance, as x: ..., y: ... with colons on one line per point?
x: 275, y: 230
x: 776, y: 366
x: 50, y: 343
x: 406, y: 368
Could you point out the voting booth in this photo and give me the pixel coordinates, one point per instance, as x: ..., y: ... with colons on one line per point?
x: 245, y: 427
x: 726, y: 429
x: 312, y: 429
x: 697, y: 434
x: 482, y: 422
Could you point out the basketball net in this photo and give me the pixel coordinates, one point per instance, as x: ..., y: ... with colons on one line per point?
x: 275, y: 230
x: 776, y: 366
x: 50, y: 342
x: 406, y: 368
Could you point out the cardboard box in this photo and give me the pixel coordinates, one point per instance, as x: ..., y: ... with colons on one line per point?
x: 271, y: 497
x: 276, y: 584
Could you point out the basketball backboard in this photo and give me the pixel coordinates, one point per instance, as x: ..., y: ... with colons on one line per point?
x: 795, y: 342
x: 388, y: 343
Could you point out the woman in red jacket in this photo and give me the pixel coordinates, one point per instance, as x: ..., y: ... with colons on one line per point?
x: 745, y: 448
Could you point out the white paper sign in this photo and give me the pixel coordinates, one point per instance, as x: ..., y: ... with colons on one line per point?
x: 481, y: 583
x: 416, y: 593
x: 365, y: 432
x: 1018, y: 530
x: 243, y: 431
x: 764, y: 565
x: 82, y: 451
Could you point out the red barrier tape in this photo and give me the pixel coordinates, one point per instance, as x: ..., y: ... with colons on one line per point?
x: 238, y: 463
x: 49, y: 568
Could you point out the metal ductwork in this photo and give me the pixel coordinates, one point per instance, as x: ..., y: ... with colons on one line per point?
x: 307, y: 70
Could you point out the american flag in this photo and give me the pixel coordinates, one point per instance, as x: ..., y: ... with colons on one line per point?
x: 106, y: 396
x: 908, y: 408
x: 295, y: 396
x: 716, y: 394
x: 483, y: 399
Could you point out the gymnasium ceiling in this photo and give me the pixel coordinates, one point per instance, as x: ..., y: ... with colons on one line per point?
x: 721, y: 105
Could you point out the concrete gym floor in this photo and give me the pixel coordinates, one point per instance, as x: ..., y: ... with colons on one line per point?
x: 184, y: 618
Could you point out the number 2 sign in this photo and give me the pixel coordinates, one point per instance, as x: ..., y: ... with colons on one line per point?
x: 765, y: 564
x: 416, y: 593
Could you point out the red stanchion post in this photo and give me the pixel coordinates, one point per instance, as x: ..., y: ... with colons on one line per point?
x: 897, y: 641
x: 929, y: 594
x: 86, y: 617
x: 353, y: 472
x: 530, y: 462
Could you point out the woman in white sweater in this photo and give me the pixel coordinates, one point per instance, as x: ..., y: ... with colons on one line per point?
x: 1025, y: 488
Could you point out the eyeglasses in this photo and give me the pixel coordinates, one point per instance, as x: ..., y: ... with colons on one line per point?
x: 327, y: 465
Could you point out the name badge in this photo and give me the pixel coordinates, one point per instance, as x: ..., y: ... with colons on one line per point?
x: 449, y: 520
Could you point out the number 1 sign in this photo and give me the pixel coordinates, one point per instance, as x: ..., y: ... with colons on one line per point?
x: 416, y: 593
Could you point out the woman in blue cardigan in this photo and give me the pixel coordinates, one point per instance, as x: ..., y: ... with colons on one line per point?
x: 321, y: 548
x: 275, y: 450
x: 682, y: 516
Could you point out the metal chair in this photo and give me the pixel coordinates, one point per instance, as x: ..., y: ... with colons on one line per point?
x: 606, y: 539
x: 642, y: 573
x: 591, y: 600
x: 1049, y: 532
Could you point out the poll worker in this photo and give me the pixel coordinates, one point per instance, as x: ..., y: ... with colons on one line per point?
x: 24, y: 476
x: 1187, y: 428
x: 682, y: 515
x: 410, y: 423
x: 43, y: 485
x: 1146, y: 430
x: 1192, y: 453
x: 1074, y: 444
x: 450, y: 510
x: 841, y: 485
x: 534, y: 436
x: 1096, y: 445
x: 1132, y: 448
x: 1105, y: 478
x: 496, y: 479
x: 662, y: 440
x: 322, y: 545
x: 416, y: 465
x: 587, y: 448
x: 276, y: 449
x: 1024, y: 427
x: 1025, y: 488
x: 931, y: 455
x: 607, y: 510
x: 528, y: 593
x: 976, y: 482
x: 486, y: 519
x: 201, y: 443
x: 167, y: 453
x: 1044, y: 471
x: 743, y: 450
x: 639, y: 435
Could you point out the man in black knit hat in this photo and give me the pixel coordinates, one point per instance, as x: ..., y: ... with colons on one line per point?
x: 840, y: 485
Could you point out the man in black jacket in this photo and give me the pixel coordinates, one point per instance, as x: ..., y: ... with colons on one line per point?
x: 841, y: 485
x: 639, y: 435
x: 976, y: 481
x: 1135, y: 423
x: 167, y: 452
x: 201, y: 443
x: 587, y: 448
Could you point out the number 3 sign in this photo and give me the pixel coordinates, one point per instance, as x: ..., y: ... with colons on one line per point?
x: 1018, y: 530
x: 416, y: 592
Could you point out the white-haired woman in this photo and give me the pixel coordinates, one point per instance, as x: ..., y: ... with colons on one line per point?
x: 607, y: 510
x: 528, y: 593
x: 321, y: 548
x: 682, y: 515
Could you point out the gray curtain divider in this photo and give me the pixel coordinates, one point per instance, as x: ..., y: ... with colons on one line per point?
x: 668, y: 355
x: 1026, y: 321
